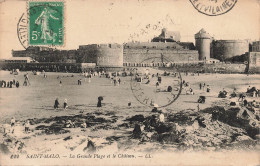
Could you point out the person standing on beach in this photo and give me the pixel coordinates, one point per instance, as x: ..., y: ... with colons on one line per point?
x: 161, y: 117
x: 208, y: 88
x: 65, y: 105
x: 12, y: 124
x: 11, y: 84
x: 157, y: 84
x: 26, y: 126
x: 84, y: 125
x: 129, y: 104
x: 254, y: 93
x: 56, y: 103
x: 99, y: 104
x: 198, y: 107
x: 115, y: 81
x: 17, y: 84
x: 27, y: 79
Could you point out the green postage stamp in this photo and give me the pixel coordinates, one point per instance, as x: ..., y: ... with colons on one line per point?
x: 46, y: 23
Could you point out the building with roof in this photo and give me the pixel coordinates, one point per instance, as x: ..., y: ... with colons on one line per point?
x: 19, y: 60
x: 168, y: 36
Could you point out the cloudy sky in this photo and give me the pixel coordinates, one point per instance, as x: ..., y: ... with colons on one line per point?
x: 119, y: 21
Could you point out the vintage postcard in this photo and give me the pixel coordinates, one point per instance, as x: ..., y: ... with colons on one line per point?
x: 130, y: 82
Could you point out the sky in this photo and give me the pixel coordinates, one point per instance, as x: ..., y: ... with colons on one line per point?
x: 121, y: 21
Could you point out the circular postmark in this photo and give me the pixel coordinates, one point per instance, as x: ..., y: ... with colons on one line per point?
x: 22, y: 30
x: 38, y: 25
x: 151, y: 85
x: 213, y: 7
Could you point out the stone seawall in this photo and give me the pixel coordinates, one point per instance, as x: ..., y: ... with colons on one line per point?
x: 212, y: 68
x: 225, y: 68
x: 79, y: 67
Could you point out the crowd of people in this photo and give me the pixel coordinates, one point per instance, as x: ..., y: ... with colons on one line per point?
x: 14, y: 83
x: 9, y: 84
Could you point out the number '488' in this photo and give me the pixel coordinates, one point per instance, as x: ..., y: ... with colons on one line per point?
x: 14, y: 156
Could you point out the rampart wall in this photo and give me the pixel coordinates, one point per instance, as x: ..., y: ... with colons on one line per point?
x: 133, y: 55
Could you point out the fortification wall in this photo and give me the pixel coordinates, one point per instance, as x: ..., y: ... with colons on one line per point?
x: 224, y: 49
x: 153, y: 45
x: 154, y: 55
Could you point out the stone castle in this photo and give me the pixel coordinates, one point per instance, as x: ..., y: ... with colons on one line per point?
x: 166, y: 49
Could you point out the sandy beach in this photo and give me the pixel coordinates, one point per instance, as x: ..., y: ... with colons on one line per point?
x: 111, y: 127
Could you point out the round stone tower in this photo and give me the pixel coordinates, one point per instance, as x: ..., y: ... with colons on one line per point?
x: 110, y: 55
x: 202, y: 42
x: 226, y: 49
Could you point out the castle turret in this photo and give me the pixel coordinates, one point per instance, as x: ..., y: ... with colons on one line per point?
x: 202, y: 42
x: 110, y: 55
